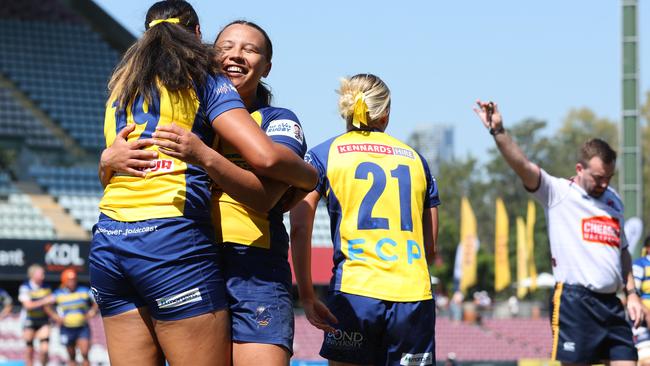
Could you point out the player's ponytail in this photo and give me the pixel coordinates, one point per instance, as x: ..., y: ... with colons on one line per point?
x: 363, y: 100
x: 169, y: 53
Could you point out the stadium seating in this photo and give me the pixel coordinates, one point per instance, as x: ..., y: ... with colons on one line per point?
x: 20, y: 220
x: 64, y: 68
x: 18, y: 123
x: 77, y: 189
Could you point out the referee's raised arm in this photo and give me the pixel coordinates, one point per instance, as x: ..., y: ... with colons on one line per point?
x: 528, y: 172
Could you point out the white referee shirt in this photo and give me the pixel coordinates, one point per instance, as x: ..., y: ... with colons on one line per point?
x: 586, y: 234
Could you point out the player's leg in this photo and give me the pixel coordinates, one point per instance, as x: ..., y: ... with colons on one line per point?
x: 199, y: 340
x: 83, y: 345
x: 131, y: 340
x: 128, y: 326
x: 68, y: 336
x: 180, y: 279
x: 255, y: 354
x: 28, y: 337
x: 43, y: 336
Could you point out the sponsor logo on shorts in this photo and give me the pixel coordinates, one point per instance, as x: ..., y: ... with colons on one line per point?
x: 344, y: 339
x: 602, y: 229
x: 126, y: 232
x: 285, y: 127
x: 263, y: 316
x: 375, y: 148
x: 181, y: 299
x: 569, y: 346
x: 416, y: 359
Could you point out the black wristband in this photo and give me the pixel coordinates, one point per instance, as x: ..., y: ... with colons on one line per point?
x: 630, y: 291
x: 496, y: 131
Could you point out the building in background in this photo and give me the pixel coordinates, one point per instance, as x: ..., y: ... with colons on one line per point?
x: 435, y: 142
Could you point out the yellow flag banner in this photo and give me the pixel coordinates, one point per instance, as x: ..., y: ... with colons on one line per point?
x: 522, y: 260
x: 530, y: 244
x: 501, y: 262
x: 468, y: 240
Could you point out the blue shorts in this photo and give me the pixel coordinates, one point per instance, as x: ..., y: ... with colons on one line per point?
x: 171, y: 266
x: 259, y: 292
x: 69, y: 336
x: 379, y: 332
x: 589, y: 327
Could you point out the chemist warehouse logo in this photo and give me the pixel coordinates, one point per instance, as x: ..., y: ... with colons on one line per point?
x: 602, y: 229
x: 375, y: 148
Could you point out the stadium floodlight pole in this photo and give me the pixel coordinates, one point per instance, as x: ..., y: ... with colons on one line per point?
x: 630, y: 135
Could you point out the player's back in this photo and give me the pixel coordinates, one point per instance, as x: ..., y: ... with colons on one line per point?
x: 377, y: 188
x: 173, y: 188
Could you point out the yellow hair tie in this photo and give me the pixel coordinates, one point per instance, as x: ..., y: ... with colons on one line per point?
x: 168, y: 20
x: 359, y: 116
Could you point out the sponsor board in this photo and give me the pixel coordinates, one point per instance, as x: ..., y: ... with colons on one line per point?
x: 54, y: 255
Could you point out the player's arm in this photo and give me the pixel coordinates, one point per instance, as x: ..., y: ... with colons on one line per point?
x: 268, y: 159
x: 30, y: 304
x: 528, y: 172
x: 258, y: 193
x: 634, y: 305
x: 430, y: 230
x: 302, y: 223
x: 94, y: 309
x: 126, y: 156
x: 49, y: 310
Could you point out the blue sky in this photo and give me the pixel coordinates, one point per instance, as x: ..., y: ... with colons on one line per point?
x: 536, y: 59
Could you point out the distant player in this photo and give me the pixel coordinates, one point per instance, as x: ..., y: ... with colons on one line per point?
x: 641, y: 270
x: 588, y: 248
x: 34, y: 296
x: 382, y: 202
x: 74, y: 307
x: 6, y: 303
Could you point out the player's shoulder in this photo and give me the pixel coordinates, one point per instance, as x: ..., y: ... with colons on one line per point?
x: 270, y: 113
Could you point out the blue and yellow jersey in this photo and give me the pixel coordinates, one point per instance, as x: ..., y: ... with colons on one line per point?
x: 29, y: 291
x: 376, y: 189
x: 173, y: 188
x: 237, y: 223
x: 73, y: 305
x: 641, y: 272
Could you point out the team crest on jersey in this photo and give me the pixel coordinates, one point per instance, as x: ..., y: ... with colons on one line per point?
x: 602, y: 229
x: 263, y: 316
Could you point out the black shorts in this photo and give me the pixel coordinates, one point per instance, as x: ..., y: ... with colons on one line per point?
x: 589, y: 327
x: 35, y: 324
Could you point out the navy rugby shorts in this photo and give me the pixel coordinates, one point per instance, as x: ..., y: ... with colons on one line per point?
x: 379, y: 332
x: 171, y: 266
x: 259, y: 293
x: 589, y: 327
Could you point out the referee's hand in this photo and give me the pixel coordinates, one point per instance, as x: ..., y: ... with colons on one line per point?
x: 635, y: 309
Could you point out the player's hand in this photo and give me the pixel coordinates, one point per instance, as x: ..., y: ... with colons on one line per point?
x: 128, y: 156
x: 180, y: 143
x: 635, y: 309
x: 489, y: 114
x: 319, y: 315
